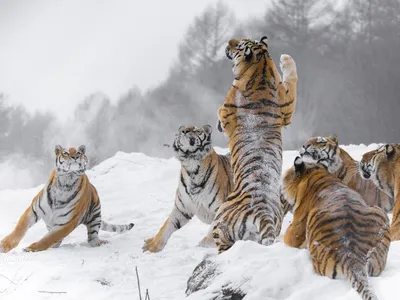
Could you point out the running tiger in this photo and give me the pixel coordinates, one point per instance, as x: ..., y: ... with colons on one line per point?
x: 382, y: 167
x: 346, y: 237
x: 343, y: 166
x: 67, y: 200
x: 206, y: 179
x: 255, y: 109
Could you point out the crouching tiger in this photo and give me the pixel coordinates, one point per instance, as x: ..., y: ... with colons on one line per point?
x: 205, y: 181
x: 66, y: 201
x: 382, y: 166
x: 345, y: 237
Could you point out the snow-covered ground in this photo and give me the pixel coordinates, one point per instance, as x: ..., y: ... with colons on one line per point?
x: 140, y: 189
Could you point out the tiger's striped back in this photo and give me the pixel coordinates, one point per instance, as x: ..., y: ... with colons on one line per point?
x: 342, y: 165
x: 346, y: 237
x: 252, y: 117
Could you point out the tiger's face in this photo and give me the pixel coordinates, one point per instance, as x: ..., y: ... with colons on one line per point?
x: 322, y: 149
x: 244, y: 53
x: 192, y: 142
x: 296, y: 175
x: 380, y: 166
x: 71, y: 160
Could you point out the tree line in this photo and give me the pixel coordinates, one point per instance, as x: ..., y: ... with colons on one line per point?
x: 346, y: 57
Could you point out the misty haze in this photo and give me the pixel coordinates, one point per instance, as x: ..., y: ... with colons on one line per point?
x: 346, y: 56
x: 121, y: 77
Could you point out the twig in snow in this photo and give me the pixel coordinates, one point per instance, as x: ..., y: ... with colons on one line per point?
x: 138, y: 283
x: 47, y: 292
x: 11, y: 281
x: 147, y: 296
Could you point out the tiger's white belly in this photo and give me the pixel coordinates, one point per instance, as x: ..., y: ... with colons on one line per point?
x: 199, y: 205
x: 54, y: 212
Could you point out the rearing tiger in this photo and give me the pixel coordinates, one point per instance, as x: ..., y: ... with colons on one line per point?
x: 67, y: 200
x: 255, y: 109
x: 382, y: 166
x: 342, y: 165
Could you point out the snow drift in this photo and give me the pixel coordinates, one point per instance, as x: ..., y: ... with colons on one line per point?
x: 140, y: 189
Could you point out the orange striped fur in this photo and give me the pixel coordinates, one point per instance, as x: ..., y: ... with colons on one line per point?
x: 342, y: 165
x: 382, y: 167
x: 67, y: 200
x: 345, y: 236
x: 257, y: 106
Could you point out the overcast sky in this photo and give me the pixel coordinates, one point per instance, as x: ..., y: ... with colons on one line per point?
x: 53, y: 53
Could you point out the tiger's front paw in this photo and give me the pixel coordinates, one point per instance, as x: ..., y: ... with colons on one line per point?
x: 7, y: 244
x: 153, y: 245
x: 32, y: 248
x: 287, y: 66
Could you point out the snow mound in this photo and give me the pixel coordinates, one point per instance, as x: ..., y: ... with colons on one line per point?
x: 140, y: 189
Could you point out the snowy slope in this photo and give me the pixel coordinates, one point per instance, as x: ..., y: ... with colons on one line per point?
x: 140, y: 189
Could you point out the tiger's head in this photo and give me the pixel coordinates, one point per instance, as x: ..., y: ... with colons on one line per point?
x: 71, y: 160
x: 244, y: 53
x: 382, y: 167
x: 295, y: 177
x: 192, y: 142
x: 326, y: 149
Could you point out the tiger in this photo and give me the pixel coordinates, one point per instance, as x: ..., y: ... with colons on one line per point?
x: 257, y: 106
x: 346, y: 238
x: 205, y: 180
x: 342, y: 165
x: 67, y: 200
x: 382, y: 167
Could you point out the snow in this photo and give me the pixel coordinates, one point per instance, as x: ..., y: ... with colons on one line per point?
x: 140, y: 189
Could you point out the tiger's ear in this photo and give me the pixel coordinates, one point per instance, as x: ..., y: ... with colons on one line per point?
x: 335, y: 138
x: 298, y: 164
x: 82, y: 149
x: 264, y: 40
x: 57, y: 149
x: 389, y: 150
x: 207, y: 129
x: 248, y: 54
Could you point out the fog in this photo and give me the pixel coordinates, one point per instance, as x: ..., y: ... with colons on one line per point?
x: 347, y: 59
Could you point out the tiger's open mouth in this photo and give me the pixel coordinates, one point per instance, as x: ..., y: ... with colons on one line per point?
x: 309, y: 156
x: 364, y: 172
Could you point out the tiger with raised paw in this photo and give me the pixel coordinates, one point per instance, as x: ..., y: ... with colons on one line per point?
x: 256, y: 108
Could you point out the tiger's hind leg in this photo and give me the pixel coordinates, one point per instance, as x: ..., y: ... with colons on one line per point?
x: 377, y: 256
x: 93, y: 228
x: 267, y: 229
x: 222, y: 238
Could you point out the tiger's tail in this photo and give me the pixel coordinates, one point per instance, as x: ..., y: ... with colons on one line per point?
x: 358, y: 276
x: 115, y: 228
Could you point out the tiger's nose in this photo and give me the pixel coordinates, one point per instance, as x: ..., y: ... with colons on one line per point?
x: 185, y: 130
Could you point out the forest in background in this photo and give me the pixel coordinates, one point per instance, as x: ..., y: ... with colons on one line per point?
x: 347, y: 58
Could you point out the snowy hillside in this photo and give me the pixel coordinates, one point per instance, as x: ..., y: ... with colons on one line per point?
x: 140, y: 189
